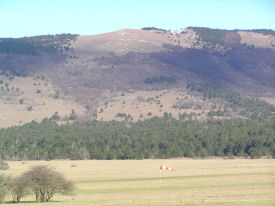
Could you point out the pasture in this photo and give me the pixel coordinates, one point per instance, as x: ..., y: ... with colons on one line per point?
x: 137, y: 182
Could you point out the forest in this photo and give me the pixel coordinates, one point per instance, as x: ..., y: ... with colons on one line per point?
x: 153, y: 138
x: 248, y: 107
x: 36, y: 44
x: 217, y: 36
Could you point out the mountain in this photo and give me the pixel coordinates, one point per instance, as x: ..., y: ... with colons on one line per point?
x: 129, y: 75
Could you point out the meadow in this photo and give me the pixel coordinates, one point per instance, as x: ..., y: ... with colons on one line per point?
x: 138, y: 182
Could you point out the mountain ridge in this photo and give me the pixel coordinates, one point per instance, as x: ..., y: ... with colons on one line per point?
x: 96, y: 70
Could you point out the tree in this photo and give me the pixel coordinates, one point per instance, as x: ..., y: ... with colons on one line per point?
x: 45, y: 182
x: 19, y: 188
x: 5, y: 185
x: 72, y: 115
x: 56, y: 96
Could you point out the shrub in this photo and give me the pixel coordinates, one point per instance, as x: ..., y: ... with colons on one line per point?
x: 29, y: 108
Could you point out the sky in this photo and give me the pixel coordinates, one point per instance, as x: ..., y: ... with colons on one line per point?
x: 87, y: 17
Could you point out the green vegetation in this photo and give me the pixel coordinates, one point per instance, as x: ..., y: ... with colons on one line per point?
x: 21, y: 101
x: 153, y: 28
x: 153, y: 138
x: 71, y: 117
x: 13, y: 73
x: 124, y: 116
x: 262, y: 31
x: 36, y: 44
x: 213, y: 36
x: 56, y: 96
x: 252, y: 107
x: 29, y: 108
x: 217, y: 36
x: 161, y: 79
x: 218, y: 113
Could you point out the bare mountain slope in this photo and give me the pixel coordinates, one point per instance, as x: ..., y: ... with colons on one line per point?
x: 113, y: 74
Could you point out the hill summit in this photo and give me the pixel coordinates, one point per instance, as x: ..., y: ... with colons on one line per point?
x: 135, y: 74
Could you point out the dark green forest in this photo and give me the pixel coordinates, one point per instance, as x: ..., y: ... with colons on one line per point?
x: 153, y: 28
x: 213, y: 36
x: 217, y: 36
x: 248, y: 107
x: 153, y: 138
x: 36, y: 44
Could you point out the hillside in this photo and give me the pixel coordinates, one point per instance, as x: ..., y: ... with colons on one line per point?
x: 132, y: 75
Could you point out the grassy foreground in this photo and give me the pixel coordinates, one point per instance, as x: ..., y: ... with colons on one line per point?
x: 137, y: 182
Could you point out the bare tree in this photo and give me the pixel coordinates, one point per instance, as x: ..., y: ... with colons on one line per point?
x: 45, y: 182
x: 19, y: 188
x: 5, y: 185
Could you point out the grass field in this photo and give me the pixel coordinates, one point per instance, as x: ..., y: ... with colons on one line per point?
x: 137, y: 182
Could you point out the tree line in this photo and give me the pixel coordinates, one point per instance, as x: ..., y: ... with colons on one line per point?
x: 161, y: 79
x: 153, y: 138
x: 249, y: 107
x: 35, y: 44
x: 213, y: 36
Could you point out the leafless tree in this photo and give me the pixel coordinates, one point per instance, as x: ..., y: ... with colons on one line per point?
x: 45, y: 182
x: 19, y: 188
x: 5, y: 185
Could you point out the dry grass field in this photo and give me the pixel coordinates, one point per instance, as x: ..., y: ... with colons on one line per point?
x: 137, y: 182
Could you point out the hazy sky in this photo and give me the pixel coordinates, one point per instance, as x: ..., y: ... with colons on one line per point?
x: 35, y: 17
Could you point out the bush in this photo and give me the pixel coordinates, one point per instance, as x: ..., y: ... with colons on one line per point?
x: 29, y: 108
x: 56, y: 96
